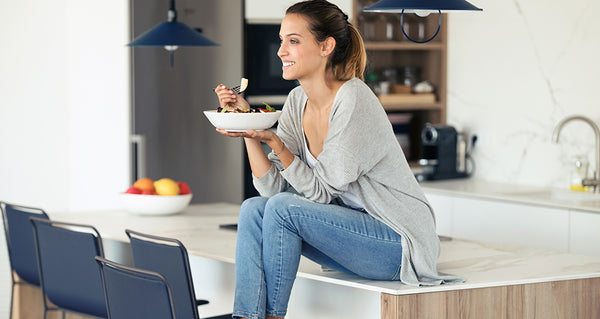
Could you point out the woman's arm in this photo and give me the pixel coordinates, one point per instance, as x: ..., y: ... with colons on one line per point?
x: 259, y: 162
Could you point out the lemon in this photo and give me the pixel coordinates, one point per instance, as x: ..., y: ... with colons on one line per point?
x: 166, y: 186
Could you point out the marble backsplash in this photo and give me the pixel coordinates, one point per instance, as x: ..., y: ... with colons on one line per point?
x: 514, y: 71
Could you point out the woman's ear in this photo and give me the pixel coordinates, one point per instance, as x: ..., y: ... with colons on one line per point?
x: 327, y: 46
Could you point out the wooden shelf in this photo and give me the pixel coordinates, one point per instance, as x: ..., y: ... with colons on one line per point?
x: 412, y: 107
x: 388, y: 60
x: 424, y: 98
x: 403, y: 46
x: 400, y: 102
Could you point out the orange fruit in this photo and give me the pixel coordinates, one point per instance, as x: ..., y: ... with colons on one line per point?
x: 166, y: 186
x: 144, y: 184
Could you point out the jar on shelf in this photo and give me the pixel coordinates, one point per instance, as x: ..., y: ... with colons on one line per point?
x: 409, y: 75
x: 391, y: 31
x: 366, y: 25
x: 421, y: 30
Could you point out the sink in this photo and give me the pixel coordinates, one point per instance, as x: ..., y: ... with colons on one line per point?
x: 556, y: 195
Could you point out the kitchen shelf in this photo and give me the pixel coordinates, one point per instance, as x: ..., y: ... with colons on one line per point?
x: 403, y: 46
x: 408, y: 98
x: 385, y: 57
x: 390, y: 107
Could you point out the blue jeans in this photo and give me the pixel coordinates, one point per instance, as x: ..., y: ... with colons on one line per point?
x: 274, y: 232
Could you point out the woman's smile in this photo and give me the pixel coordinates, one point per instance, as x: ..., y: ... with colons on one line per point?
x: 287, y: 64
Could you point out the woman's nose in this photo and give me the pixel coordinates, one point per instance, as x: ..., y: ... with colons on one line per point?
x: 281, y: 52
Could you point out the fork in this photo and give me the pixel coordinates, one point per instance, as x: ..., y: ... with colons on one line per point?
x: 236, y: 89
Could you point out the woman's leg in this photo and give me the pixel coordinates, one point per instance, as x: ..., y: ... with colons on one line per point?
x: 250, y: 288
x: 341, y: 238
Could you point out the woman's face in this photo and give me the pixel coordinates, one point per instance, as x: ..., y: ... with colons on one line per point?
x: 299, y: 50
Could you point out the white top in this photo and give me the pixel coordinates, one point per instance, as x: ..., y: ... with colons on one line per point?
x: 348, y: 197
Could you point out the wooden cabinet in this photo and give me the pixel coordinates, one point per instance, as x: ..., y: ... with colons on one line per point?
x: 389, y: 51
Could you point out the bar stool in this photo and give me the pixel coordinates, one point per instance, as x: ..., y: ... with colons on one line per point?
x: 133, y: 293
x: 168, y: 257
x: 69, y: 275
x: 21, y: 246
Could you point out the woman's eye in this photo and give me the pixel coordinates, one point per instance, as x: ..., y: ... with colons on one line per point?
x: 292, y: 41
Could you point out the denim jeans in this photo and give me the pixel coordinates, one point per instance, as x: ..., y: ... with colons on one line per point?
x: 274, y: 232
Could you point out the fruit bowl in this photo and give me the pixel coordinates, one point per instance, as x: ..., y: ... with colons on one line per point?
x: 155, y: 204
x: 240, y: 122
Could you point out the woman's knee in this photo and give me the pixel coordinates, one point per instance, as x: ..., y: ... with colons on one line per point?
x: 252, y: 209
x: 280, y: 206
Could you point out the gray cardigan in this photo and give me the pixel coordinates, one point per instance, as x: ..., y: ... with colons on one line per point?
x: 360, y: 149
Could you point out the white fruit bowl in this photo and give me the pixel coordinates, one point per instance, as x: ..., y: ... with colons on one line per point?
x: 155, y: 204
x: 240, y: 122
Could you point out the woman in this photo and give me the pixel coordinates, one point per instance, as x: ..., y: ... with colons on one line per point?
x: 358, y: 208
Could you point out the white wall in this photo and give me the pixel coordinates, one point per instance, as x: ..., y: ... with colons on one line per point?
x: 514, y: 71
x: 64, y: 103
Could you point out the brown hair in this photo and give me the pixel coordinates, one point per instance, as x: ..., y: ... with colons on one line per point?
x: 325, y: 19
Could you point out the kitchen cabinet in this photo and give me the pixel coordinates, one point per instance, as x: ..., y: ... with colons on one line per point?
x: 442, y: 207
x: 507, y: 223
x: 584, y: 234
x: 511, y: 224
x: 389, y: 51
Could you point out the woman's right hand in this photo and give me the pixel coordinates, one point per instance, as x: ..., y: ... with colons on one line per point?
x: 228, y: 98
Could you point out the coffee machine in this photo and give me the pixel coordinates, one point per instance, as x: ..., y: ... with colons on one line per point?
x: 444, y: 153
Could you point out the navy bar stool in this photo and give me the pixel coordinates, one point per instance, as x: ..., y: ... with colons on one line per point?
x: 69, y: 275
x: 168, y: 257
x: 21, y: 245
x: 133, y: 293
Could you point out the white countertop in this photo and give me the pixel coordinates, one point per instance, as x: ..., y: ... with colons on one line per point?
x: 483, y: 265
x: 549, y: 197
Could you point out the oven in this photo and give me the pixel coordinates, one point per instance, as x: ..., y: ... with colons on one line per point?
x: 265, y: 82
x: 263, y: 66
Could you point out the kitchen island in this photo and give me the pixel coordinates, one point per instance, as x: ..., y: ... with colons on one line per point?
x: 501, y: 281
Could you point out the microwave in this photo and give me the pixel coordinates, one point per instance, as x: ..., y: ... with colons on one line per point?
x: 263, y: 66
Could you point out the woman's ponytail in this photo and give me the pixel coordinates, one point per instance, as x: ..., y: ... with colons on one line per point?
x: 349, y: 58
x: 356, y: 58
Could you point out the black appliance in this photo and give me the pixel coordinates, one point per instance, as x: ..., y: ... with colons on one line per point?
x: 444, y: 153
x: 263, y: 66
x: 265, y: 81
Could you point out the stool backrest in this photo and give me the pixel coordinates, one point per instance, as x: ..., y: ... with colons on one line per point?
x: 69, y: 275
x: 20, y: 241
x: 133, y: 293
x: 168, y: 257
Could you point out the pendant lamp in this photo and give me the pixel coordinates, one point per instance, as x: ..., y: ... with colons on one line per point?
x: 421, y: 8
x: 171, y: 35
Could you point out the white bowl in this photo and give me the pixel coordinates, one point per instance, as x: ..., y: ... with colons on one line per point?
x: 240, y: 122
x: 155, y: 204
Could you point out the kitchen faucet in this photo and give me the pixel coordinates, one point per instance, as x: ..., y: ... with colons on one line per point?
x: 595, y: 181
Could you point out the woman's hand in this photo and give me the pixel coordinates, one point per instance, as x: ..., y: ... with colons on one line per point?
x: 267, y: 136
x: 228, y: 98
x: 259, y: 163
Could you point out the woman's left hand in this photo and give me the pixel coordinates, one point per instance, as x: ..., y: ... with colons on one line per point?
x: 267, y: 136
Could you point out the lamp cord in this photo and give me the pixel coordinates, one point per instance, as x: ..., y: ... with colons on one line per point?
x: 415, y: 41
x: 172, y: 14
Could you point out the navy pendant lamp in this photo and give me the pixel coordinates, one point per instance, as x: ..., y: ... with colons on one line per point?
x: 171, y: 35
x: 421, y: 8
